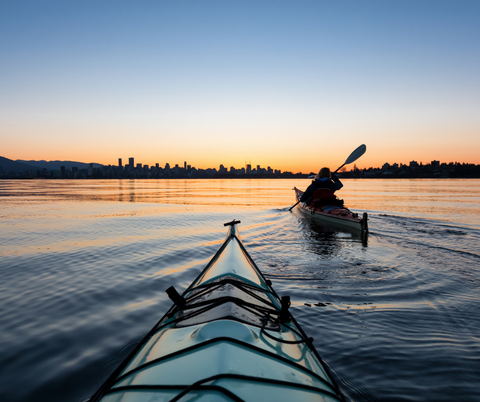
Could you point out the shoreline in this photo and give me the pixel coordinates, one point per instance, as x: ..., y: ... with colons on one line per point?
x: 241, y: 178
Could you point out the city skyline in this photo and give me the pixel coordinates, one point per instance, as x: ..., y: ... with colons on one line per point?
x: 221, y: 168
x: 386, y: 166
x: 133, y: 169
x: 217, y: 164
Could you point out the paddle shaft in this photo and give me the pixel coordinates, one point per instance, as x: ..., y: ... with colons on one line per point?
x: 339, y: 168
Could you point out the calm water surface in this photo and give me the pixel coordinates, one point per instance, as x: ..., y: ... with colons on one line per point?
x: 84, y: 266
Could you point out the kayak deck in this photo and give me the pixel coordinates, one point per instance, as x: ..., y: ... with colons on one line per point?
x: 227, y: 337
x: 332, y: 214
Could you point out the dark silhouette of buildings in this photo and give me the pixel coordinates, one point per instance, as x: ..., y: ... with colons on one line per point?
x: 131, y: 171
x: 434, y: 169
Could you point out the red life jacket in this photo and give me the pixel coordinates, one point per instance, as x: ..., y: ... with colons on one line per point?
x: 324, y: 193
x: 325, y: 196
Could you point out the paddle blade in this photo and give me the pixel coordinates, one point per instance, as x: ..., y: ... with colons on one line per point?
x: 356, y: 154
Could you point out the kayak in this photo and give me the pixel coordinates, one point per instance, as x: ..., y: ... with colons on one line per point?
x: 227, y: 337
x: 333, y: 214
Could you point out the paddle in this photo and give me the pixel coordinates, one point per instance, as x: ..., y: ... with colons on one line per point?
x: 352, y: 158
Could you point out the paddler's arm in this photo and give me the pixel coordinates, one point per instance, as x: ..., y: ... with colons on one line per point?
x: 337, y: 184
x: 308, y: 194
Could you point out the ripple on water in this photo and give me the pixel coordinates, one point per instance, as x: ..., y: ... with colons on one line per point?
x: 82, y: 282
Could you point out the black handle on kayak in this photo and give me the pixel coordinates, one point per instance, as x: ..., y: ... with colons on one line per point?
x: 175, y: 297
x: 234, y: 222
x: 284, y: 314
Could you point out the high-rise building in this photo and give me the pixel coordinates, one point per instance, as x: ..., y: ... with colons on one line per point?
x: 185, y: 165
x: 120, y: 162
x: 222, y: 169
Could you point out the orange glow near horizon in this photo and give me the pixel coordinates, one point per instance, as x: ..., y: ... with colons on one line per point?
x: 305, y: 148
x: 283, y: 161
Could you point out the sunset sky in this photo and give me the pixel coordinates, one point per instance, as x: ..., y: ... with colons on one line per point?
x: 295, y: 85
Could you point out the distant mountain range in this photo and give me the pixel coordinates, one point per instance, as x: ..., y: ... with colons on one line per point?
x: 19, y: 165
x: 8, y: 165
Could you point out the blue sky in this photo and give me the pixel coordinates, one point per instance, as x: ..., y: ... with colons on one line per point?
x: 287, y: 84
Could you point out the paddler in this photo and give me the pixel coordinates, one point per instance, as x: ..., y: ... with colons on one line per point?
x: 324, y: 179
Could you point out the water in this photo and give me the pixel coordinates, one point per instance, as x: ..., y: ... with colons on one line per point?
x: 84, y: 266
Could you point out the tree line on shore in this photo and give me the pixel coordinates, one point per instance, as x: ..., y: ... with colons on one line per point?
x: 417, y: 170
